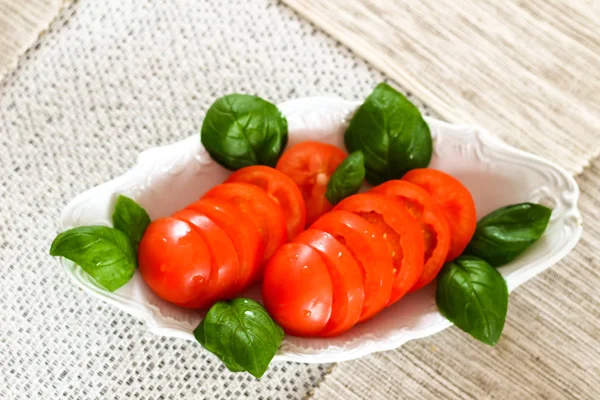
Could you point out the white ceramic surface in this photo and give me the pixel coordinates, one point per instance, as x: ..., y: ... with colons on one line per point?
x: 167, y: 178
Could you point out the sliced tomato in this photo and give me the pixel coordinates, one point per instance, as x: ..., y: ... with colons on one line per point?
x: 365, y: 243
x: 401, y: 233
x: 431, y: 218
x: 456, y: 202
x: 175, y: 261
x: 310, y: 165
x: 297, y: 289
x: 224, y: 284
x: 241, y: 230
x: 282, y: 189
x: 261, y: 208
x: 346, y: 278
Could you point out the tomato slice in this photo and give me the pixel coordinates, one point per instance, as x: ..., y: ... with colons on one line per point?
x: 224, y: 283
x: 456, y: 202
x: 281, y: 188
x: 241, y: 230
x: 297, y: 289
x: 175, y: 261
x: 310, y: 165
x: 431, y: 218
x: 346, y: 278
x: 401, y: 233
x: 261, y: 208
x: 365, y: 243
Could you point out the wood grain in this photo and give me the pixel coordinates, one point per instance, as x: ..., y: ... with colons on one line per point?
x: 527, y: 71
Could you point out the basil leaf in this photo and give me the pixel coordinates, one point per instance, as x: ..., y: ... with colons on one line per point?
x: 474, y: 296
x: 242, y: 334
x: 241, y: 130
x: 106, y: 254
x: 347, y: 178
x: 129, y: 217
x: 507, y: 232
x: 392, y: 134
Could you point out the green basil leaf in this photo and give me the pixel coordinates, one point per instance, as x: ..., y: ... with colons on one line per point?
x: 241, y: 130
x: 392, y: 134
x: 507, y: 232
x: 473, y: 295
x: 106, y: 254
x: 129, y: 217
x: 242, y: 334
x: 347, y: 179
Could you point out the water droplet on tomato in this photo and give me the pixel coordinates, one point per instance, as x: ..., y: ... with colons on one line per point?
x: 305, y: 267
x: 306, y: 313
x: 198, y: 279
x: 339, y: 254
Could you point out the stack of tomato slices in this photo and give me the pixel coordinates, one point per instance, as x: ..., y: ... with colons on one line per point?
x: 216, y: 247
x: 354, y: 260
x: 367, y: 253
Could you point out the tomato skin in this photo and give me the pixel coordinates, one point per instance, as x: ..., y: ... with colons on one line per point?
x: 346, y: 278
x: 297, y: 290
x: 310, y: 165
x: 364, y: 241
x: 241, y: 230
x: 166, y: 242
x: 280, y: 188
x: 402, y: 235
x: 456, y: 202
x: 225, y: 263
x: 434, y: 225
x: 261, y: 208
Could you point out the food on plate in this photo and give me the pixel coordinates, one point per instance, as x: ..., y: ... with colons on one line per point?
x: 240, y: 130
x: 347, y: 179
x: 280, y: 188
x: 360, y: 253
x: 434, y: 225
x: 346, y: 279
x: 260, y: 207
x: 505, y: 233
x: 401, y: 234
x: 391, y: 133
x: 297, y: 289
x: 310, y: 165
x: 456, y: 202
x: 366, y: 244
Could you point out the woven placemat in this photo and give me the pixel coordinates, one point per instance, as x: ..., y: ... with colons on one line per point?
x: 116, y: 78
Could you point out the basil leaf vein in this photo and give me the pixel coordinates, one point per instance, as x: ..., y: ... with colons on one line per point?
x: 240, y: 333
x: 347, y: 179
x: 392, y: 134
x: 106, y: 254
x: 474, y: 296
x: 505, y: 233
x: 240, y: 130
x: 130, y: 218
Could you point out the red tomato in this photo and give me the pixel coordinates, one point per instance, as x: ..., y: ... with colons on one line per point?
x: 310, y: 165
x: 456, y: 202
x: 364, y: 241
x: 281, y: 189
x: 297, y: 289
x: 223, y: 255
x: 175, y: 261
x: 401, y: 233
x: 263, y: 210
x: 430, y: 216
x: 241, y: 230
x: 346, y: 278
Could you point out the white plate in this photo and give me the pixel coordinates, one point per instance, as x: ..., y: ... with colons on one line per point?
x: 168, y: 178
